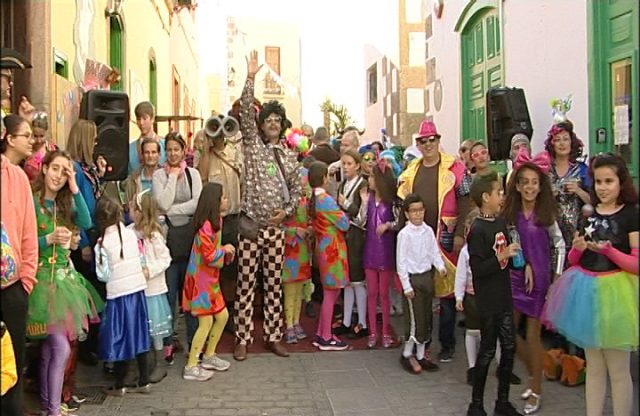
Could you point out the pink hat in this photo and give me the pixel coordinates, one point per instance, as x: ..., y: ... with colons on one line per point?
x: 428, y: 129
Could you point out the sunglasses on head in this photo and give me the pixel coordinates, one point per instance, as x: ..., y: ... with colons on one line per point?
x: 425, y: 140
x: 478, y: 153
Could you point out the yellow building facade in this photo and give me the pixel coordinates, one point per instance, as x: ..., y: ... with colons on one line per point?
x: 151, y: 43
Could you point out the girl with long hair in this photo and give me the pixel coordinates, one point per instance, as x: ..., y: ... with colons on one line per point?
x: 202, y: 296
x: 594, y: 304
x: 379, y: 258
x: 62, y: 301
x: 531, y: 209
x: 124, y: 330
x: 329, y: 225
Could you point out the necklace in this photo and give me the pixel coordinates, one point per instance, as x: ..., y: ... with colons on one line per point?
x: 483, y: 215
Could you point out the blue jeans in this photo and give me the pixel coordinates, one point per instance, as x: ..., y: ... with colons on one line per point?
x: 446, y: 332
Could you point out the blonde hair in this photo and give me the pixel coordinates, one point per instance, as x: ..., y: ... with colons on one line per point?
x: 147, y: 206
x: 82, y: 140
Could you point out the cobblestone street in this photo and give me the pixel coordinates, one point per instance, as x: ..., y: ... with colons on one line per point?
x: 368, y: 383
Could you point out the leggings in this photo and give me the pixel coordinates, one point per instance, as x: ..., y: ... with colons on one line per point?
x: 54, y: 354
x: 292, y: 302
x: 617, y: 364
x: 329, y: 297
x: 69, y: 373
x: 378, y: 282
x: 211, y: 327
x: 121, y: 368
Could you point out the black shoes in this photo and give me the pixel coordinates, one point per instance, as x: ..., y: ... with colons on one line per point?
x: 309, y: 311
x: 506, y: 409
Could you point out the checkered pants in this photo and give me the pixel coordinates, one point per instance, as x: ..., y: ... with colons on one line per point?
x: 269, y: 249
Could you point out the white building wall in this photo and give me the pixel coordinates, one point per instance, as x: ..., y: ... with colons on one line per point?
x: 373, y: 113
x: 545, y: 52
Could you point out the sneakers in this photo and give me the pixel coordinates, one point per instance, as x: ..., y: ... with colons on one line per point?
x: 333, y: 344
x: 79, y: 398
x: 387, y: 341
x: 290, y: 336
x: 215, y: 363
x: 358, y: 331
x: 197, y: 373
x: 70, y: 406
x: 115, y: 391
x: 300, y: 334
x: 445, y: 356
x: 371, y: 341
x: 341, y: 330
x: 169, y: 354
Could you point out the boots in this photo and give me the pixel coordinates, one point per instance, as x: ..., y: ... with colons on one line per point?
x: 156, y: 372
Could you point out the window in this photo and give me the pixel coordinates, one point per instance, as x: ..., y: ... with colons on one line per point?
x: 372, y: 84
x: 153, y: 83
x: 175, y: 99
x: 61, y: 64
x: 116, y: 48
x: 272, y: 59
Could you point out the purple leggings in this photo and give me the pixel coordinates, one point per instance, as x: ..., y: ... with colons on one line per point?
x: 54, y: 354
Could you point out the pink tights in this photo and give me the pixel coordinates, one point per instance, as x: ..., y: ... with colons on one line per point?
x: 329, y: 297
x: 378, y: 282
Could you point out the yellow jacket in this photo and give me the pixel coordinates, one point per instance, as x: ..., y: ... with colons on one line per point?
x: 9, y: 373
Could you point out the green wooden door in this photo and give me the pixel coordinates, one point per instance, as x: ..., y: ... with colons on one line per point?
x: 481, y: 70
x: 613, y: 79
x: 116, y: 48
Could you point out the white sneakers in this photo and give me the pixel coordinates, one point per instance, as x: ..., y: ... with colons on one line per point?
x: 203, y: 372
x: 215, y: 363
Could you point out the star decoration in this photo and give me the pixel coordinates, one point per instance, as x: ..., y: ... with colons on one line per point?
x: 588, y: 231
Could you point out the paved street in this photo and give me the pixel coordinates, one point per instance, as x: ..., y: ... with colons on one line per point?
x: 349, y: 383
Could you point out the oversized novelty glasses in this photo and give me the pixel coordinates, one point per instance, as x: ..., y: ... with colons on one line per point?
x: 273, y: 119
x: 478, y: 153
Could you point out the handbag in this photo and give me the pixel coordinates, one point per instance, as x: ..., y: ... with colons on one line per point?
x: 180, y: 238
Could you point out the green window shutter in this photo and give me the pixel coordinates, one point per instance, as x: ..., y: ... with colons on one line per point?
x: 153, y: 84
x: 116, y: 58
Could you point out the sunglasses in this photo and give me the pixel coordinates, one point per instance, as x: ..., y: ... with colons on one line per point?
x: 368, y: 158
x: 477, y: 154
x: 273, y: 119
x: 424, y: 140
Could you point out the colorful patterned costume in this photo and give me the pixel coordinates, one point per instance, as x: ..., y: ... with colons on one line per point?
x: 61, y: 297
x: 330, y: 224
x: 297, y: 258
x: 202, y: 294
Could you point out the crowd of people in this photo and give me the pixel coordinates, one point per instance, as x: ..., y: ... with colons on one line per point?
x: 96, y: 270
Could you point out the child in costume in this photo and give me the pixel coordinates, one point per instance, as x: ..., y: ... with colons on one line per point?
x: 62, y: 301
x: 297, y: 263
x: 489, y: 254
x: 143, y: 209
x: 531, y: 208
x: 124, y: 330
x: 379, y: 254
x: 202, y: 295
x: 417, y: 256
x: 350, y: 200
x: 594, y: 304
x: 329, y: 225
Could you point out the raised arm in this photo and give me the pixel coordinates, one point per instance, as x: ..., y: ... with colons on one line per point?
x: 248, y: 124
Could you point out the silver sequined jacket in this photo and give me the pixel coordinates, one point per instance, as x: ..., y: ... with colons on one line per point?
x: 263, y: 191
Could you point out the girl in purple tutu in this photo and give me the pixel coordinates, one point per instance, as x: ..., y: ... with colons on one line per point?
x: 531, y: 208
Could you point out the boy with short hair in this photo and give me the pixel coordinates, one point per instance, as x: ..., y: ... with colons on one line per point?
x: 489, y: 254
x: 145, y: 117
x: 417, y: 255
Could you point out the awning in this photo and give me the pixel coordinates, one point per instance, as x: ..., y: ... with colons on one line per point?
x: 177, y: 118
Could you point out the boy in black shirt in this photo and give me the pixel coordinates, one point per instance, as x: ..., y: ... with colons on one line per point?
x: 489, y: 254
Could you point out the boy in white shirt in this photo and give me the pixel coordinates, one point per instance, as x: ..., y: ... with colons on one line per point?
x: 417, y: 255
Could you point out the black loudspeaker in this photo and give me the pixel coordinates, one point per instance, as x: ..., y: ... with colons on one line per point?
x: 110, y: 111
x: 507, y: 115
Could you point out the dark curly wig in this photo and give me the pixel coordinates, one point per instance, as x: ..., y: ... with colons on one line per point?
x: 274, y: 107
x: 576, y: 144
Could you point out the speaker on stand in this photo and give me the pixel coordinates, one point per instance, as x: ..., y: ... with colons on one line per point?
x: 507, y: 115
x: 110, y: 111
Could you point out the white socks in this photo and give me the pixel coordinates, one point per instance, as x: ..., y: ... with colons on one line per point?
x: 349, y: 298
x: 408, y: 348
x: 472, y: 345
x: 361, y: 301
x: 420, y: 349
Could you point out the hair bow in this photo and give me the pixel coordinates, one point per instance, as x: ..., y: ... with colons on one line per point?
x: 139, y: 198
x: 541, y: 160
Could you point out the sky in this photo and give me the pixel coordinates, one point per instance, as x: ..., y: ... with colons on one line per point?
x: 332, y: 42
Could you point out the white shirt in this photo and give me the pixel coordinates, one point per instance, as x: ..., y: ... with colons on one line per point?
x: 417, y: 252
x: 464, y: 281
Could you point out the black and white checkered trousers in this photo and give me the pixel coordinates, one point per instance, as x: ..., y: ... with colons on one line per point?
x: 268, y: 249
